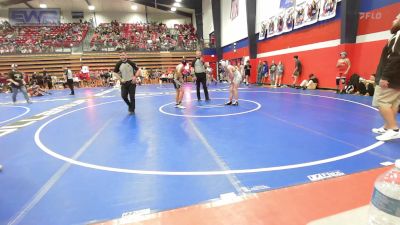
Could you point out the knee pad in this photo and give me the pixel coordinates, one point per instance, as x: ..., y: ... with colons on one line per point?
x: 343, y: 80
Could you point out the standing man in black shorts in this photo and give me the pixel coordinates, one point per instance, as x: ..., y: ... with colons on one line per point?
x: 247, y: 69
x: 70, y: 79
x: 200, y: 73
x: 128, y: 72
x: 297, y: 70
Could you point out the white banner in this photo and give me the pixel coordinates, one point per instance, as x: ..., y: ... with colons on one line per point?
x: 263, y: 30
x: 328, y: 9
x: 288, y: 20
x: 299, y: 14
x: 306, y: 12
x: 312, y: 11
x: 271, y: 27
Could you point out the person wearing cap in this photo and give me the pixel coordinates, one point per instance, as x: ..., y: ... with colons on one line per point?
x: 343, y: 65
x: 178, y: 84
x: 17, y: 83
x: 200, y: 72
x: 234, y: 78
x: 128, y: 72
x: 387, y: 91
x: 70, y: 79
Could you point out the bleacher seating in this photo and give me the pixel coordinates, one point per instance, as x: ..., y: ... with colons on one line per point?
x: 40, y: 39
x: 143, y: 37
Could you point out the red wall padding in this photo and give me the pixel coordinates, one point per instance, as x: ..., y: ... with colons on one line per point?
x: 378, y: 20
x: 324, y: 32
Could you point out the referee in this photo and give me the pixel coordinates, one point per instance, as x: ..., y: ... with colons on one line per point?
x: 128, y: 72
x: 200, y: 72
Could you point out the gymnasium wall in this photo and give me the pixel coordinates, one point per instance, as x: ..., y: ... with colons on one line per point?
x: 318, y: 46
x: 375, y: 21
x: 208, y: 24
x: 236, y: 29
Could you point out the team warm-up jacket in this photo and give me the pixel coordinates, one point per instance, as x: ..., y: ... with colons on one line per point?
x: 391, y: 69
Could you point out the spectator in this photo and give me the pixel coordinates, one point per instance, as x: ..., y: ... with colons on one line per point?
x: 272, y: 73
x: 367, y: 87
x: 387, y: 93
x: 311, y: 83
x: 247, y: 70
x: 17, y: 83
x: 343, y: 65
x: 297, y: 70
x: 264, y: 72
x: 279, y: 73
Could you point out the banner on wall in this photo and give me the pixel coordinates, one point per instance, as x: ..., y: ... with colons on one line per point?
x: 288, y: 20
x: 299, y: 14
x: 234, y: 9
x: 327, y: 9
x: 34, y: 17
x: 271, y: 27
x: 263, y: 30
x: 306, y: 13
x: 285, y: 4
x: 280, y: 23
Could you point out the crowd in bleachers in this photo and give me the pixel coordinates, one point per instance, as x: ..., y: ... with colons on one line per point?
x: 40, y: 39
x: 112, y: 36
x: 116, y: 36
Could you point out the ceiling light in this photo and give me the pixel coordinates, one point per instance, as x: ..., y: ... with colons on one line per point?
x: 178, y: 0
x: 43, y: 6
x: 173, y: 9
x: 91, y: 7
x: 134, y: 7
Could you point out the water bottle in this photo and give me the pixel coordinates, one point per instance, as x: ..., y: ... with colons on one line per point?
x: 385, y: 203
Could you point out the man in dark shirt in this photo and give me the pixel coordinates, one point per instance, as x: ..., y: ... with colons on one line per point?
x: 47, y: 79
x: 297, y: 70
x: 69, y: 78
x: 387, y: 92
x: 17, y: 83
x: 247, y: 69
x: 200, y: 72
x: 128, y: 72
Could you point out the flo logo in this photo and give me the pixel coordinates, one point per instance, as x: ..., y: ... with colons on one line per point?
x: 370, y: 15
x: 326, y: 175
x: 34, y: 16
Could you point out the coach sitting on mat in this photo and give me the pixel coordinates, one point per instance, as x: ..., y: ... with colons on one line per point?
x: 128, y: 71
x: 200, y: 72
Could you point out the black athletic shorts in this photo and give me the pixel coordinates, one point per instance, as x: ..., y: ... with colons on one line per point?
x: 177, y: 83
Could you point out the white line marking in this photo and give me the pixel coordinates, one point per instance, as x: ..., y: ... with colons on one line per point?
x: 221, y: 164
x: 199, y: 173
x: 161, y: 109
x: 27, y: 110
x: 378, y: 36
x: 309, y: 47
x: 53, y: 180
x: 210, y: 106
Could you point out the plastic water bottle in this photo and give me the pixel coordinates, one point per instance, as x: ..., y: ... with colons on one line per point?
x: 385, y: 203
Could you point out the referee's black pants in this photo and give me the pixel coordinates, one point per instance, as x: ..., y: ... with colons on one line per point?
x: 201, y: 78
x: 70, y: 83
x: 127, y: 88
